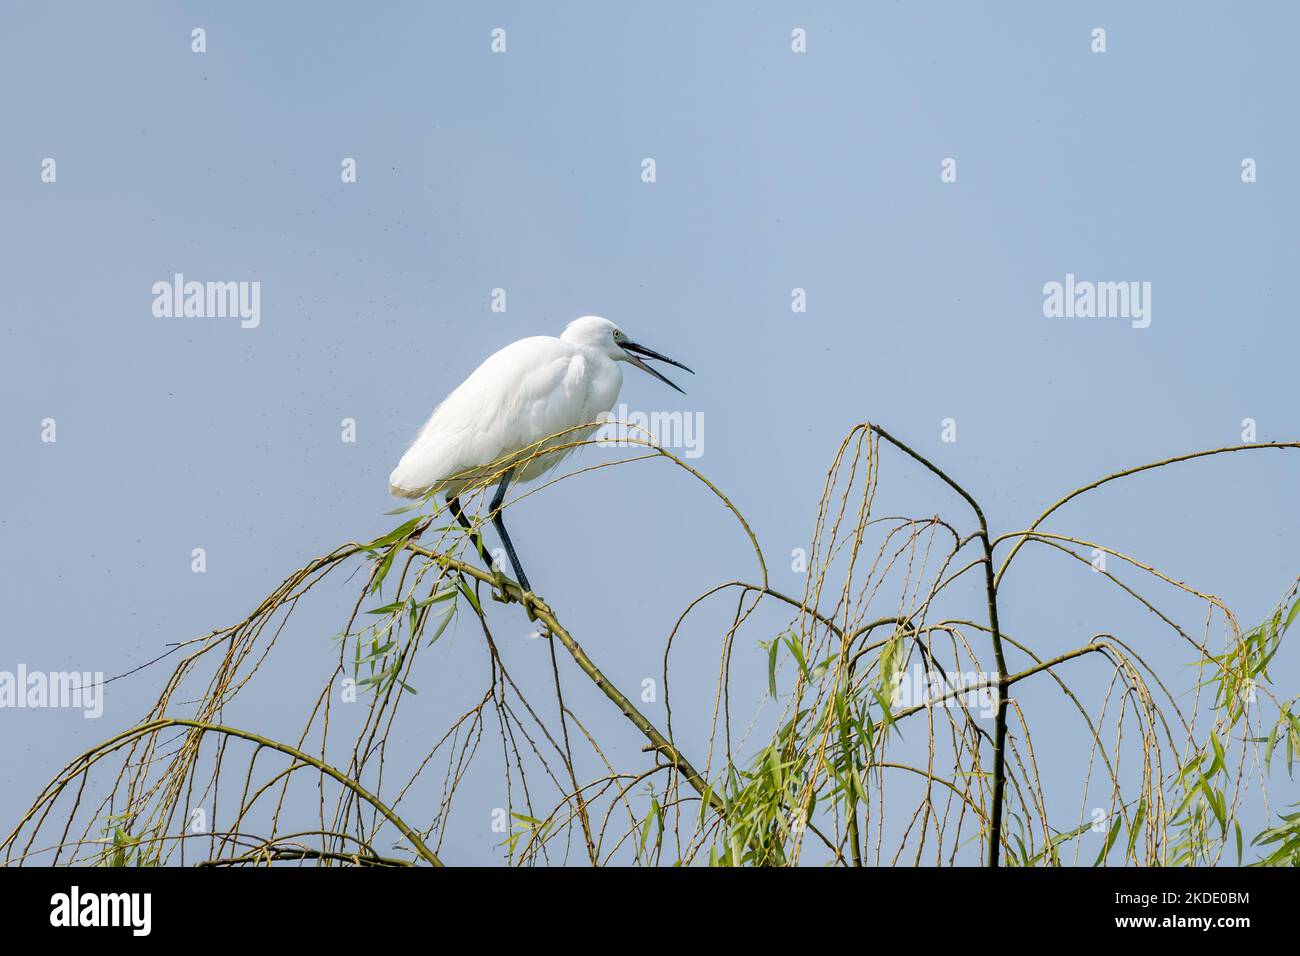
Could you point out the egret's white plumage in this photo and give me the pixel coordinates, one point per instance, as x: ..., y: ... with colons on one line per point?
x: 529, y: 391
x: 535, y: 394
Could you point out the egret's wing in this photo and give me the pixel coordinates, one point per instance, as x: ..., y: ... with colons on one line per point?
x: 518, y: 396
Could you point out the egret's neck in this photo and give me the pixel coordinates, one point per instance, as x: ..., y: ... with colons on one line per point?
x: 605, y: 380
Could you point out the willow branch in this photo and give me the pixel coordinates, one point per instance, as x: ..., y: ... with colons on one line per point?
x: 514, y: 594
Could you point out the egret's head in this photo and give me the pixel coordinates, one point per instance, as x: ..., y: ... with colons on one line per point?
x: 607, y: 338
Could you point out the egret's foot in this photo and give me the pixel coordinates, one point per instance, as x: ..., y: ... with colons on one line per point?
x: 499, y: 587
x: 533, y: 604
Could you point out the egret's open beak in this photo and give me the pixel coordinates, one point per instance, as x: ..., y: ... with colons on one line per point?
x: 632, y: 347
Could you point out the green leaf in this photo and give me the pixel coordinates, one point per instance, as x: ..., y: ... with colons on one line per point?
x: 1290, y: 618
x: 400, y: 533
x: 469, y: 594
x: 384, y: 566
x: 1136, y: 828
x: 1219, y: 762
x: 797, y: 650
x: 1215, y: 800
x: 1271, y: 745
x: 442, y: 624
x: 437, y: 598
x: 1110, y: 839
x: 891, y: 658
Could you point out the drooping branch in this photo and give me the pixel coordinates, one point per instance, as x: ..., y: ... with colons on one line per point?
x: 155, y: 726
x: 514, y: 594
x: 1127, y: 472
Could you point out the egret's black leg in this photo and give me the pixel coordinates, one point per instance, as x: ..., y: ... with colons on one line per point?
x: 454, y: 504
x: 495, y: 511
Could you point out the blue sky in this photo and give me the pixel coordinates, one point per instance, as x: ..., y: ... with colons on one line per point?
x: 522, y: 171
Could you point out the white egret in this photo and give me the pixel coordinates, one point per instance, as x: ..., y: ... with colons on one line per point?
x: 523, y: 395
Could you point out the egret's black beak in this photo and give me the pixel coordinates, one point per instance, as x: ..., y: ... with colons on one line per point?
x: 632, y: 347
